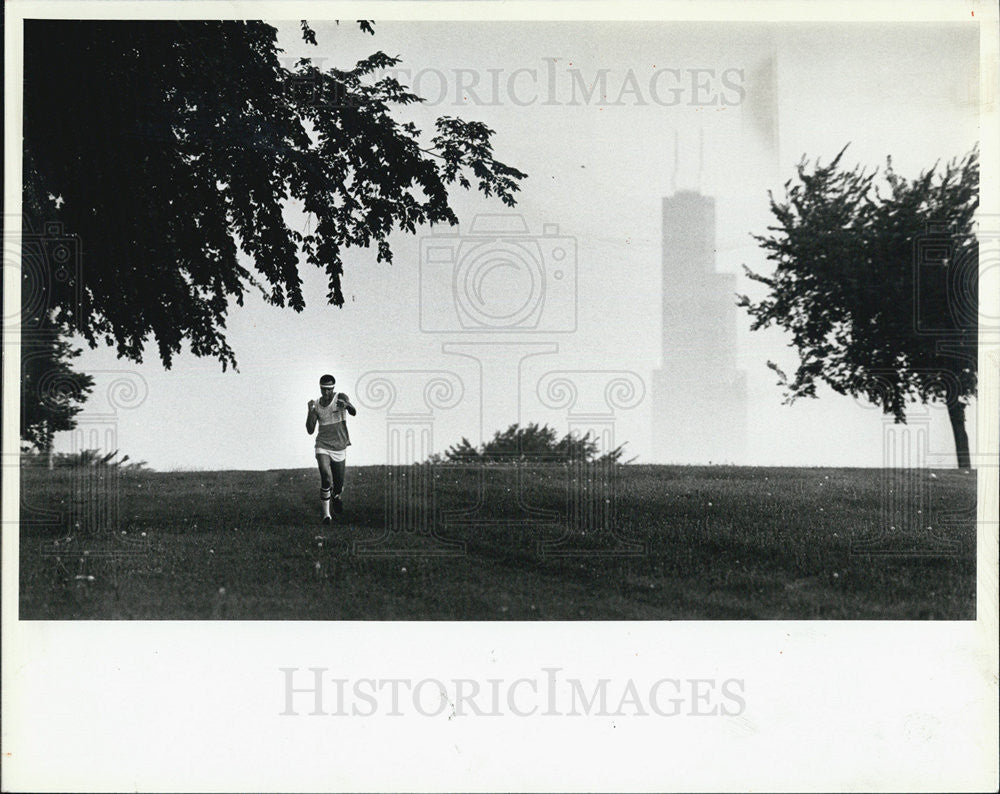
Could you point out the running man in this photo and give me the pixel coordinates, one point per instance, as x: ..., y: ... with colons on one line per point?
x: 332, y: 442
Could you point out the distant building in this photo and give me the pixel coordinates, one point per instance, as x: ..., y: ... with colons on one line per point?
x: 699, y: 397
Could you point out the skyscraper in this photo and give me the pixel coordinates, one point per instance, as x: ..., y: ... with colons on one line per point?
x: 699, y: 397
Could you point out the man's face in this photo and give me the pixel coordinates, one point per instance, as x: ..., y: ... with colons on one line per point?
x: 327, y: 392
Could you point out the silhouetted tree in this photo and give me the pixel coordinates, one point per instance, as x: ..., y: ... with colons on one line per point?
x: 878, y: 285
x: 52, y: 392
x: 171, y: 150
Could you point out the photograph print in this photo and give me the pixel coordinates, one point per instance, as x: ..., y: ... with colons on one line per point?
x: 494, y: 320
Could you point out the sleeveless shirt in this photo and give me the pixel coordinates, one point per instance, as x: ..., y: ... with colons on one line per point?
x: 332, y: 433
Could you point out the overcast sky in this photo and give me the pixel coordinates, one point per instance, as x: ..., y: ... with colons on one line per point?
x: 739, y: 103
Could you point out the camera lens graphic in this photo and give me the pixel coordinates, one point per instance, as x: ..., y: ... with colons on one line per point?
x: 500, y: 285
x: 963, y: 290
x: 61, y: 254
x: 973, y: 273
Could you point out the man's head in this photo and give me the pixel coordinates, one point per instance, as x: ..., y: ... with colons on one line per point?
x: 327, y: 383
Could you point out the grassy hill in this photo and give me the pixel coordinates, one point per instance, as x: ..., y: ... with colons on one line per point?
x: 503, y: 543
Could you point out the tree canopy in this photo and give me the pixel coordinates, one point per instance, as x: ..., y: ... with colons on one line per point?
x: 877, y: 283
x: 534, y: 443
x: 165, y: 149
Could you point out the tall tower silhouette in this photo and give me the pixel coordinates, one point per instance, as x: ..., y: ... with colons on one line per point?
x: 699, y: 396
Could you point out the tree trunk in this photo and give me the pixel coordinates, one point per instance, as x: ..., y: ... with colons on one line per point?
x: 48, y: 445
x: 956, y: 413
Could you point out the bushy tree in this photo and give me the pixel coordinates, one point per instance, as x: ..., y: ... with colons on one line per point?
x: 876, y: 281
x: 534, y: 443
x: 52, y: 392
x: 167, y: 148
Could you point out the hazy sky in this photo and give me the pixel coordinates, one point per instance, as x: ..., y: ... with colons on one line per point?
x: 598, y: 168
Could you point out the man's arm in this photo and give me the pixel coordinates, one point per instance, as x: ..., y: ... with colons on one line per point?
x: 311, y: 417
x: 345, y: 401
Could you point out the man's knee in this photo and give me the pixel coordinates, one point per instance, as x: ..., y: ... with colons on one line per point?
x: 325, y: 476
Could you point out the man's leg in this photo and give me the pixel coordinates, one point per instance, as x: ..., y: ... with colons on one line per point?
x: 339, y: 468
x: 325, y: 484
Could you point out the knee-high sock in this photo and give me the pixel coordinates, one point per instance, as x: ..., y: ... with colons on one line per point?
x: 324, y: 495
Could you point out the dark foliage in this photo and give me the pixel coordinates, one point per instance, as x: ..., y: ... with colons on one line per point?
x: 171, y: 150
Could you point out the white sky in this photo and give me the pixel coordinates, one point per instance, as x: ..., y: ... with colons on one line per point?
x: 599, y: 171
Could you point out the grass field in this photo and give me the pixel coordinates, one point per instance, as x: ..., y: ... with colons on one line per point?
x: 668, y: 542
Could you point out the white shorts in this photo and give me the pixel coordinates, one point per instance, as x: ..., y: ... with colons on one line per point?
x: 337, y: 456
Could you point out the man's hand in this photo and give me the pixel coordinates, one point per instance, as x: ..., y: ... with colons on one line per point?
x: 312, y: 405
x: 344, y: 403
